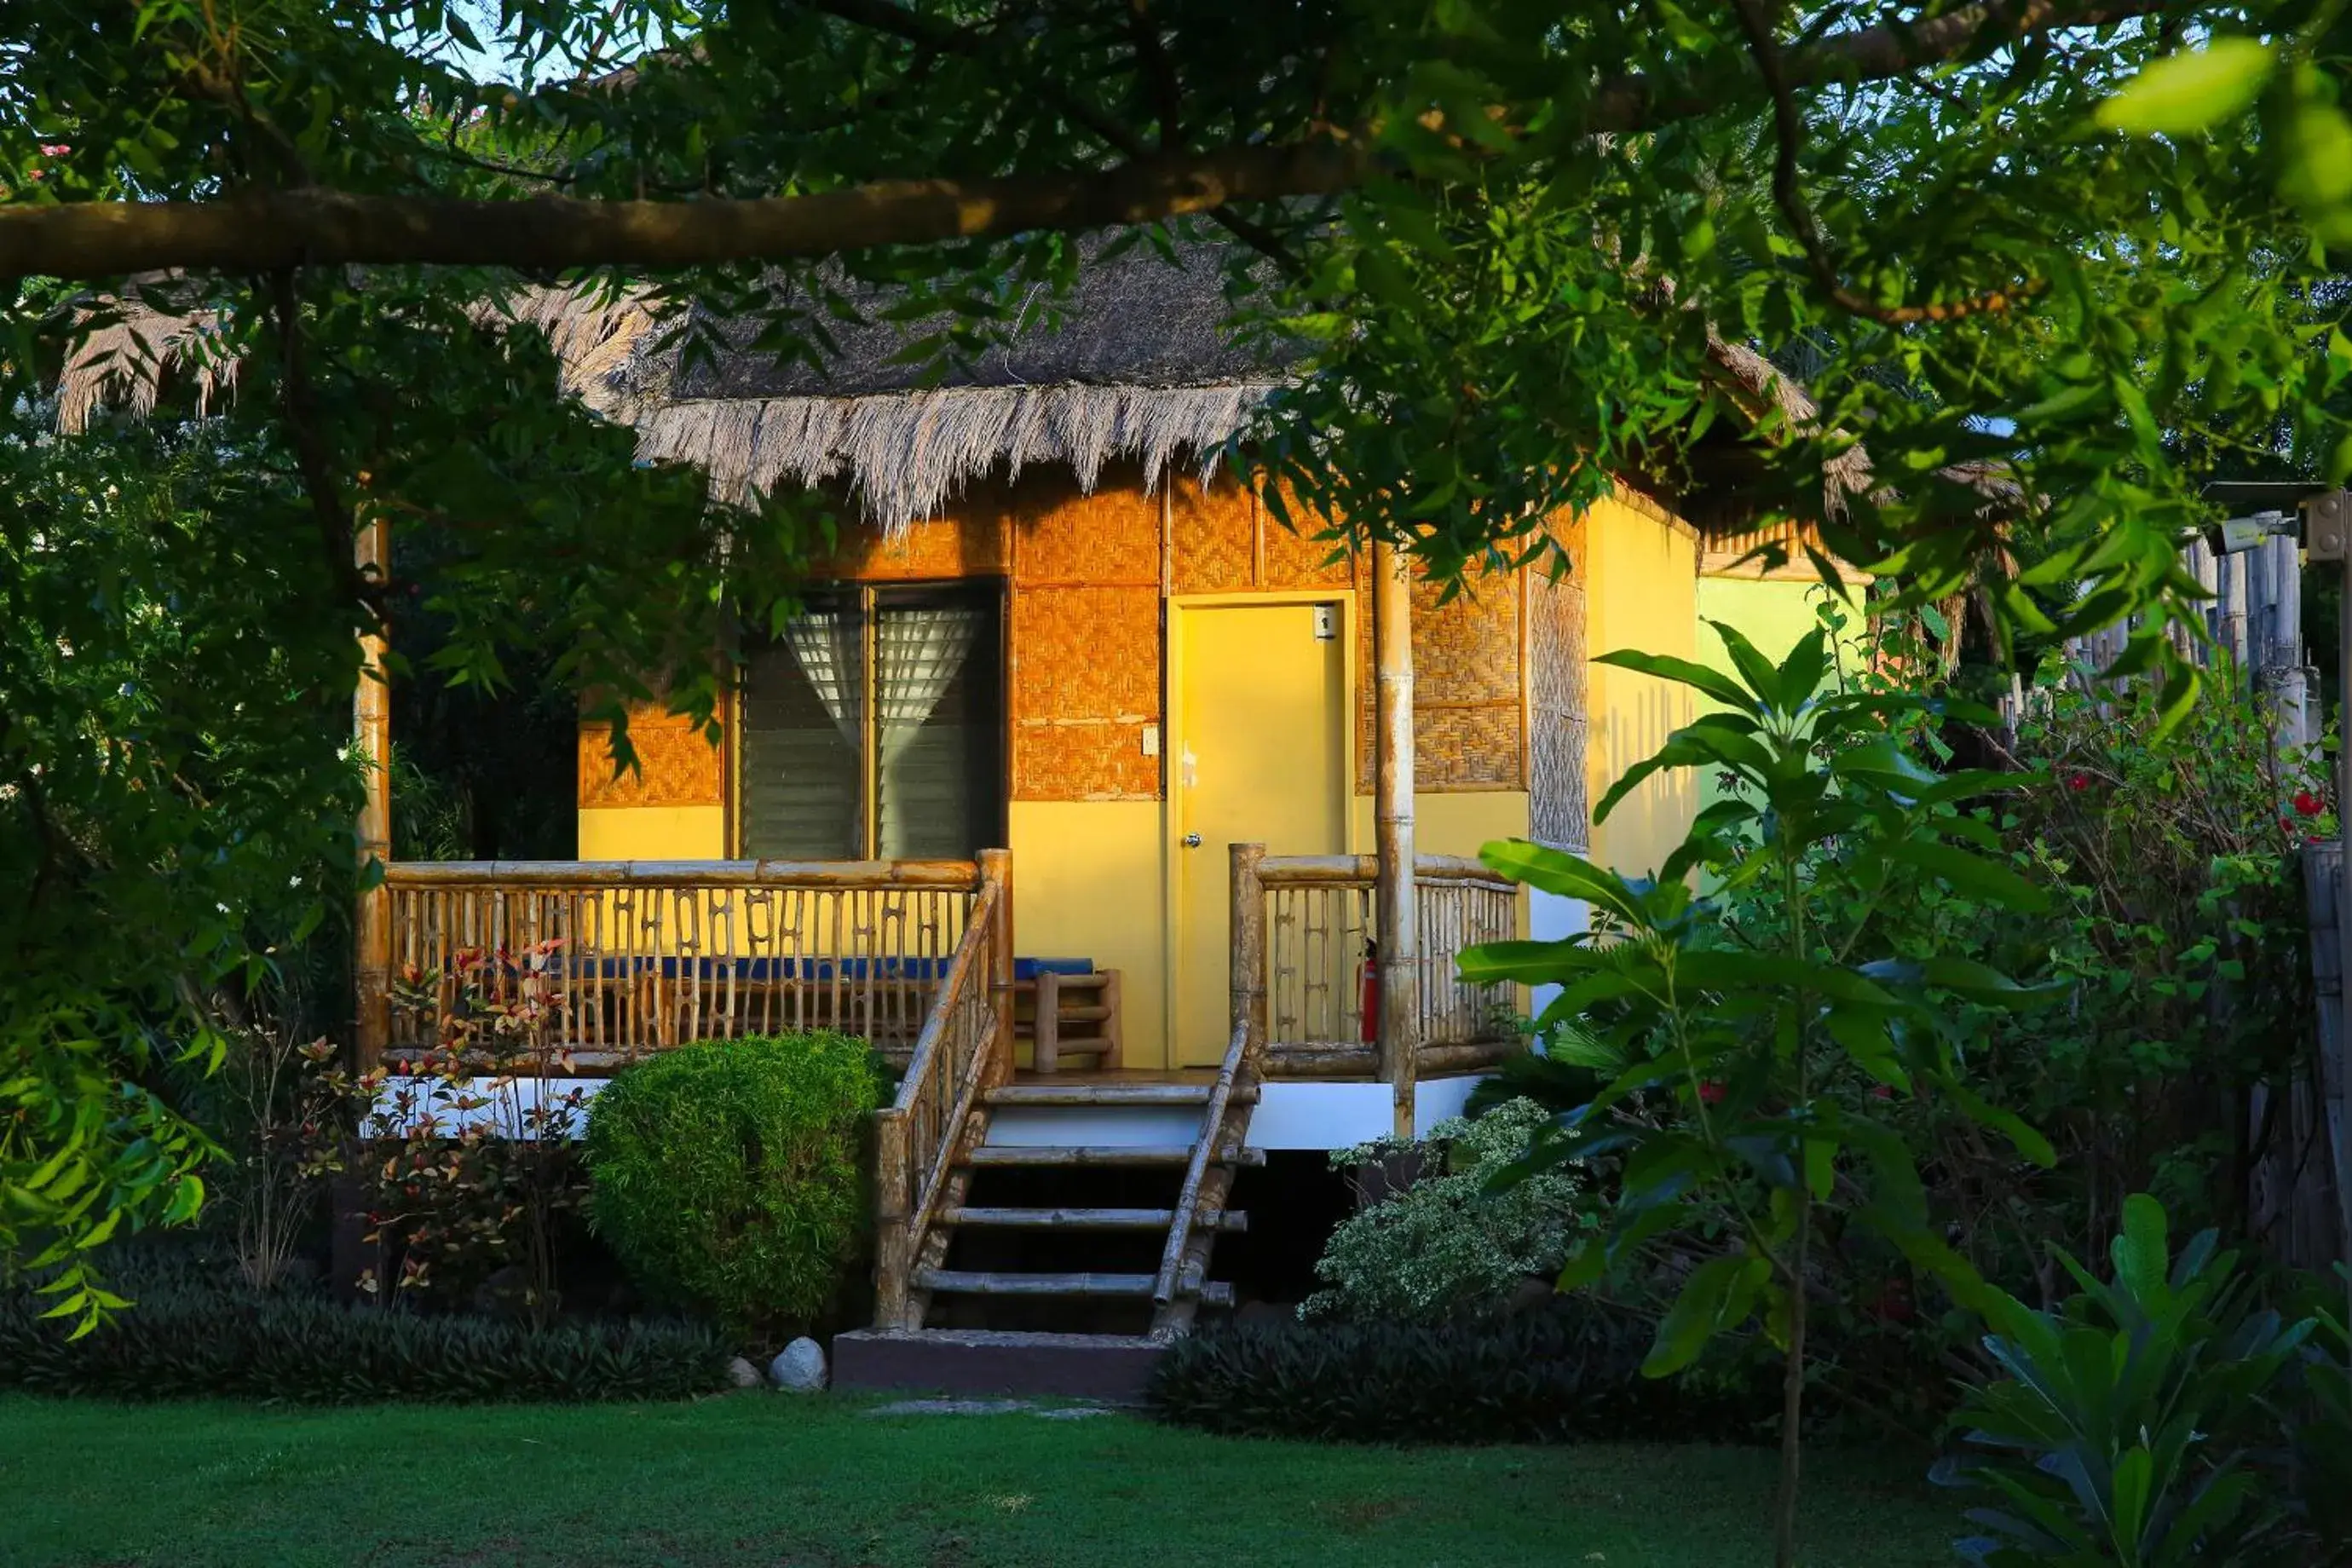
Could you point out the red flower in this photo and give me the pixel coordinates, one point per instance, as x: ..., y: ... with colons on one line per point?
x: 2078, y: 781
x: 1711, y: 1092
x: 1881, y: 1091
x: 2307, y: 804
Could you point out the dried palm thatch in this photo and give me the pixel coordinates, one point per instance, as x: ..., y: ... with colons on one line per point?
x: 1138, y: 364
x: 126, y: 355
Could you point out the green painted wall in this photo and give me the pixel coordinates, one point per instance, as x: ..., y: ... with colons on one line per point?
x: 1770, y: 613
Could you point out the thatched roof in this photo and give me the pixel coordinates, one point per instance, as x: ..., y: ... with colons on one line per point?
x: 1138, y: 363
x: 128, y: 353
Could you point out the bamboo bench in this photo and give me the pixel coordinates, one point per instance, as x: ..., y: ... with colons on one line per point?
x: 1062, y: 1014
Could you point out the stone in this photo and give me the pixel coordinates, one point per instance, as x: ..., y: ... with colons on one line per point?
x: 799, y: 1367
x: 742, y: 1373
x: 952, y: 1407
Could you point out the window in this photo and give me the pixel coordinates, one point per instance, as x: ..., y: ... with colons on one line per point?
x: 873, y: 727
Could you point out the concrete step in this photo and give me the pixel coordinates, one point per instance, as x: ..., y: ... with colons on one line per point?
x: 1112, y: 1368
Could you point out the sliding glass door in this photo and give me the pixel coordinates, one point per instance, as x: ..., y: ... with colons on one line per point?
x: 873, y: 727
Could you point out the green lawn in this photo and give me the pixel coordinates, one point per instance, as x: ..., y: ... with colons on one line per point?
x: 764, y: 1478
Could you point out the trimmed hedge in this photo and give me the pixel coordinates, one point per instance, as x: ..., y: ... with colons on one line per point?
x: 1550, y: 1376
x: 178, y: 1343
x: 731, y: 1175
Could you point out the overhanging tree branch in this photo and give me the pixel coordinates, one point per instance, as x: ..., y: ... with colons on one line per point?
x: 264, y: 231
x: 1789, y: 130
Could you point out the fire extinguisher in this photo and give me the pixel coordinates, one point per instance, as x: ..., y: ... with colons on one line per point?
x: 1367, y: 994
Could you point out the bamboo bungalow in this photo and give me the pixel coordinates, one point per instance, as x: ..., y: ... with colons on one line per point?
x: 1082, y: 787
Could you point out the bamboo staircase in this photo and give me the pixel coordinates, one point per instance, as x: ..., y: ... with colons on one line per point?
x: 1097, y: 1287
x: 1128, y: 1272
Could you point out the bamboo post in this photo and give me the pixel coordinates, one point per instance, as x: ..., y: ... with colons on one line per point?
x: 1248, y: 943
x: 2329, y: 532
x: 1045, y: 1034
x: 371, y: 732
x: 893, y: 1247
x: 996, y: 865
x: 1393, y: 828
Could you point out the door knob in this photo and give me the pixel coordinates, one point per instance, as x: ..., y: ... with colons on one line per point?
x: 1192, y: 841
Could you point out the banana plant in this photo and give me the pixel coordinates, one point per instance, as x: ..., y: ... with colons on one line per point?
x: 1746, y: 1066
x: 2136, y: 1427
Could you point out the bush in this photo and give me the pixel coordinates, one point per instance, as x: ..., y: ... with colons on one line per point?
x: 729, y: 1177
x: 1446, y: 1246
x: 1560, y: 1374
x: 2152, y: 1420
x: 183, y: 1342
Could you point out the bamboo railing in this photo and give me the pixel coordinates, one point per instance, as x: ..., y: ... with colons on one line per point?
x: 633, y: 956
x: 1321, y: 914
x: 964, y: 1050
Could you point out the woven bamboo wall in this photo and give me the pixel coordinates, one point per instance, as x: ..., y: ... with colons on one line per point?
x: 973, y: 543
x: 1468, y: 698
x: 1085, y: 678
x: 1085, y: 576
x: 676, y: 766
x: 1559, y: 811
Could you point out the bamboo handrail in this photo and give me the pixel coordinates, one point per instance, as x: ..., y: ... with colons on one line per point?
x: 1320, y: 925
x: 1213, y: 1130
x: 935, y: 1022
x: 927, y: 1050
x: 1360, y: 870
x: 955, y: 876
x: 972, y: 1005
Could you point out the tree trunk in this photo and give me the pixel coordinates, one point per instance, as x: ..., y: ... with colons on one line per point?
x: 1792, y: 1394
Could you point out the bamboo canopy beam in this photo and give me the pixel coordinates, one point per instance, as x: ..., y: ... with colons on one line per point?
x: 371, y: 732
x: 1393, y: 829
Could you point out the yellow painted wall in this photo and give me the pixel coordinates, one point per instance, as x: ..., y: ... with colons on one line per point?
x: 1641, y: 588
x: 653, y: 833
x: 1454, y: 823
x: 1086, y: 884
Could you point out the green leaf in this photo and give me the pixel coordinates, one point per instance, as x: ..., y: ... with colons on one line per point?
x: 2008, y: 1123
x: 1762, y: 677
x: 1691, y: 1320
x: 2143, y: 1250
x: 1683, y: 672
x: 2183, y: 94
x: 1549, y: 870
x: 1967, y: 873
x: 1517, y: 962
x: 1802, y: 671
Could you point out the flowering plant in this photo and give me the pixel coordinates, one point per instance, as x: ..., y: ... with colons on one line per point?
x: 465, y: 1160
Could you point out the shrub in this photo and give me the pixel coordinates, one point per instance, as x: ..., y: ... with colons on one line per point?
x: 729, y: 1177
x: 1446, y: 1246
x: 1563, y: 1373
x: 2142, y: 1423
x: 184, y: 1341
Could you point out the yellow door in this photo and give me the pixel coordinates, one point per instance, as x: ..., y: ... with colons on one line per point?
x: 1260, y: 756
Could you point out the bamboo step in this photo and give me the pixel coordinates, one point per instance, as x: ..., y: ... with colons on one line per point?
x: 1230, y: 1222
x: 1081, y: 1093
x: 1180, y: 1155
x: 967, y: 1283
